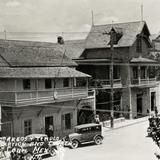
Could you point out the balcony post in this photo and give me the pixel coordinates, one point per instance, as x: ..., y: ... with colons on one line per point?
x: 147, y: 73
x: 15, y: 90
x: 36, y: 90
x: 111, y: 80
x: 72, y: 85
x: 87, y: 86
x: 129, y: 93
x: 94, y: 103
x: 139, y: 75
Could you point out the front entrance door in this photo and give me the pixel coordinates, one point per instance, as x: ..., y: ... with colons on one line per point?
x: 139, y: 104
x: 49, y: 126
x: 153, y: 97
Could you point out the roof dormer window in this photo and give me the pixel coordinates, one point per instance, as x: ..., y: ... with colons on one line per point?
x: 139, y: 45
x: 116, y: 34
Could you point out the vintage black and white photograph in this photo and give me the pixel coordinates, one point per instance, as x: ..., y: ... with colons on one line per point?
x: 79, y: 80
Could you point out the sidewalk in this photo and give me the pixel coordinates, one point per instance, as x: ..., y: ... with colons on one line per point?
x: 125, y: 124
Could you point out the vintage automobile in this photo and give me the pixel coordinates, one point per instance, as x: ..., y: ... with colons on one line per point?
x: 85, y: 133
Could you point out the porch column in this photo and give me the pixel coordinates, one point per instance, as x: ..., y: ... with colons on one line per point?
x: 15, y: 90
x: 147, y: 74
x: 129, y: 92
x: 121, y: 107
x: 94, y: 102
x: 37, y: 90
x: 139, y: 74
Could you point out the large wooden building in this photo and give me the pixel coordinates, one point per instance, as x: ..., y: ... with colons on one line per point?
x: 40, y: 90
x: 134, y: 79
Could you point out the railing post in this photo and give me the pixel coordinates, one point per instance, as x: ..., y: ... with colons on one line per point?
x: 15, y: 91
x: 36, y: 90
x: 72, y: 85
x: 139, y: 75
x: 94, y: 103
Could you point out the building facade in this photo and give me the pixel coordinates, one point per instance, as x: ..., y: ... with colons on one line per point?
x: 40, y: 90
x: 134, y: 82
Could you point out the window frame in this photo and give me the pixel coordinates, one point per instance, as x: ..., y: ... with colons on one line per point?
x: 66, y: 81
x: 143, y: 72
x: 48, y: 83
x: 139, y: 45
x: 26, y: 84
x: 80, y: 82
x: 116, y: 72
x: 66, y: 120
x: 27, y: 127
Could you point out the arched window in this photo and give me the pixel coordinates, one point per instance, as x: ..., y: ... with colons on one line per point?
x: 139, y: 45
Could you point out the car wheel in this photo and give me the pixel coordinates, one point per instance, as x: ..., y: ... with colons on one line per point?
x: 74, y: 144
x: 98, y: 140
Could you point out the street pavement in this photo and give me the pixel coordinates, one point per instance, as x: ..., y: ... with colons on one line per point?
x: 126, y: 143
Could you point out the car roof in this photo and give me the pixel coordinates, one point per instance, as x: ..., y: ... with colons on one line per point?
x: 87, y: 125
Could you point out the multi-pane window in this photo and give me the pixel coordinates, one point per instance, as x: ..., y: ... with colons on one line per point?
x: 143, y: 72
x: 26, y: 84
x: 135, y: 72
x: 66, y: 82
x: 151, y: 72
x: 67, y: 119
x: 27, y: 127
x: 139, y: 45
x: 80, y: 82
x: 48, y: 83
x: 116, y: 72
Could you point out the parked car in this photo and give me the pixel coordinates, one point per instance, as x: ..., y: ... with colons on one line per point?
x: 85, y: 133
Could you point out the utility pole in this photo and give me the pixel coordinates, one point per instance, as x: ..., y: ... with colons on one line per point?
x: 111, y: 76
x: 142, y: 11
x: 92, y: 18
x: 5, y: 35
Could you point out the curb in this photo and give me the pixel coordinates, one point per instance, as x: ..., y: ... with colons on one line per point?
x: 123, y: 126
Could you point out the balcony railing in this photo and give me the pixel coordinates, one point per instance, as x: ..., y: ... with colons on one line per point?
x: 41, y: 96
x: 105, y: 83
x: 146, y: 81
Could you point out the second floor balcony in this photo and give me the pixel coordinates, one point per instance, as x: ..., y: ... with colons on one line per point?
x: 142, y: 81
x: 105, y: 83
x: 32, y: 97
x: 143, y: 76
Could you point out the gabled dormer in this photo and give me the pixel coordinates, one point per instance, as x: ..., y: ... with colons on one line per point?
x: 116, y: 34
x: 143, y: 36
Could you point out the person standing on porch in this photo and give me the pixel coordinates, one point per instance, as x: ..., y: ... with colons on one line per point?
x: 50, y: 131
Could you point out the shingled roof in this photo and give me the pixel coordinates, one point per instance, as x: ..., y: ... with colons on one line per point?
x: 25, y: 53
x: 40, y: 72
x: 3, y: 63
x: 98, y: 36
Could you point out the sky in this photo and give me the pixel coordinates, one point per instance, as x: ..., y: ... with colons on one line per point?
x: 47, y: 17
